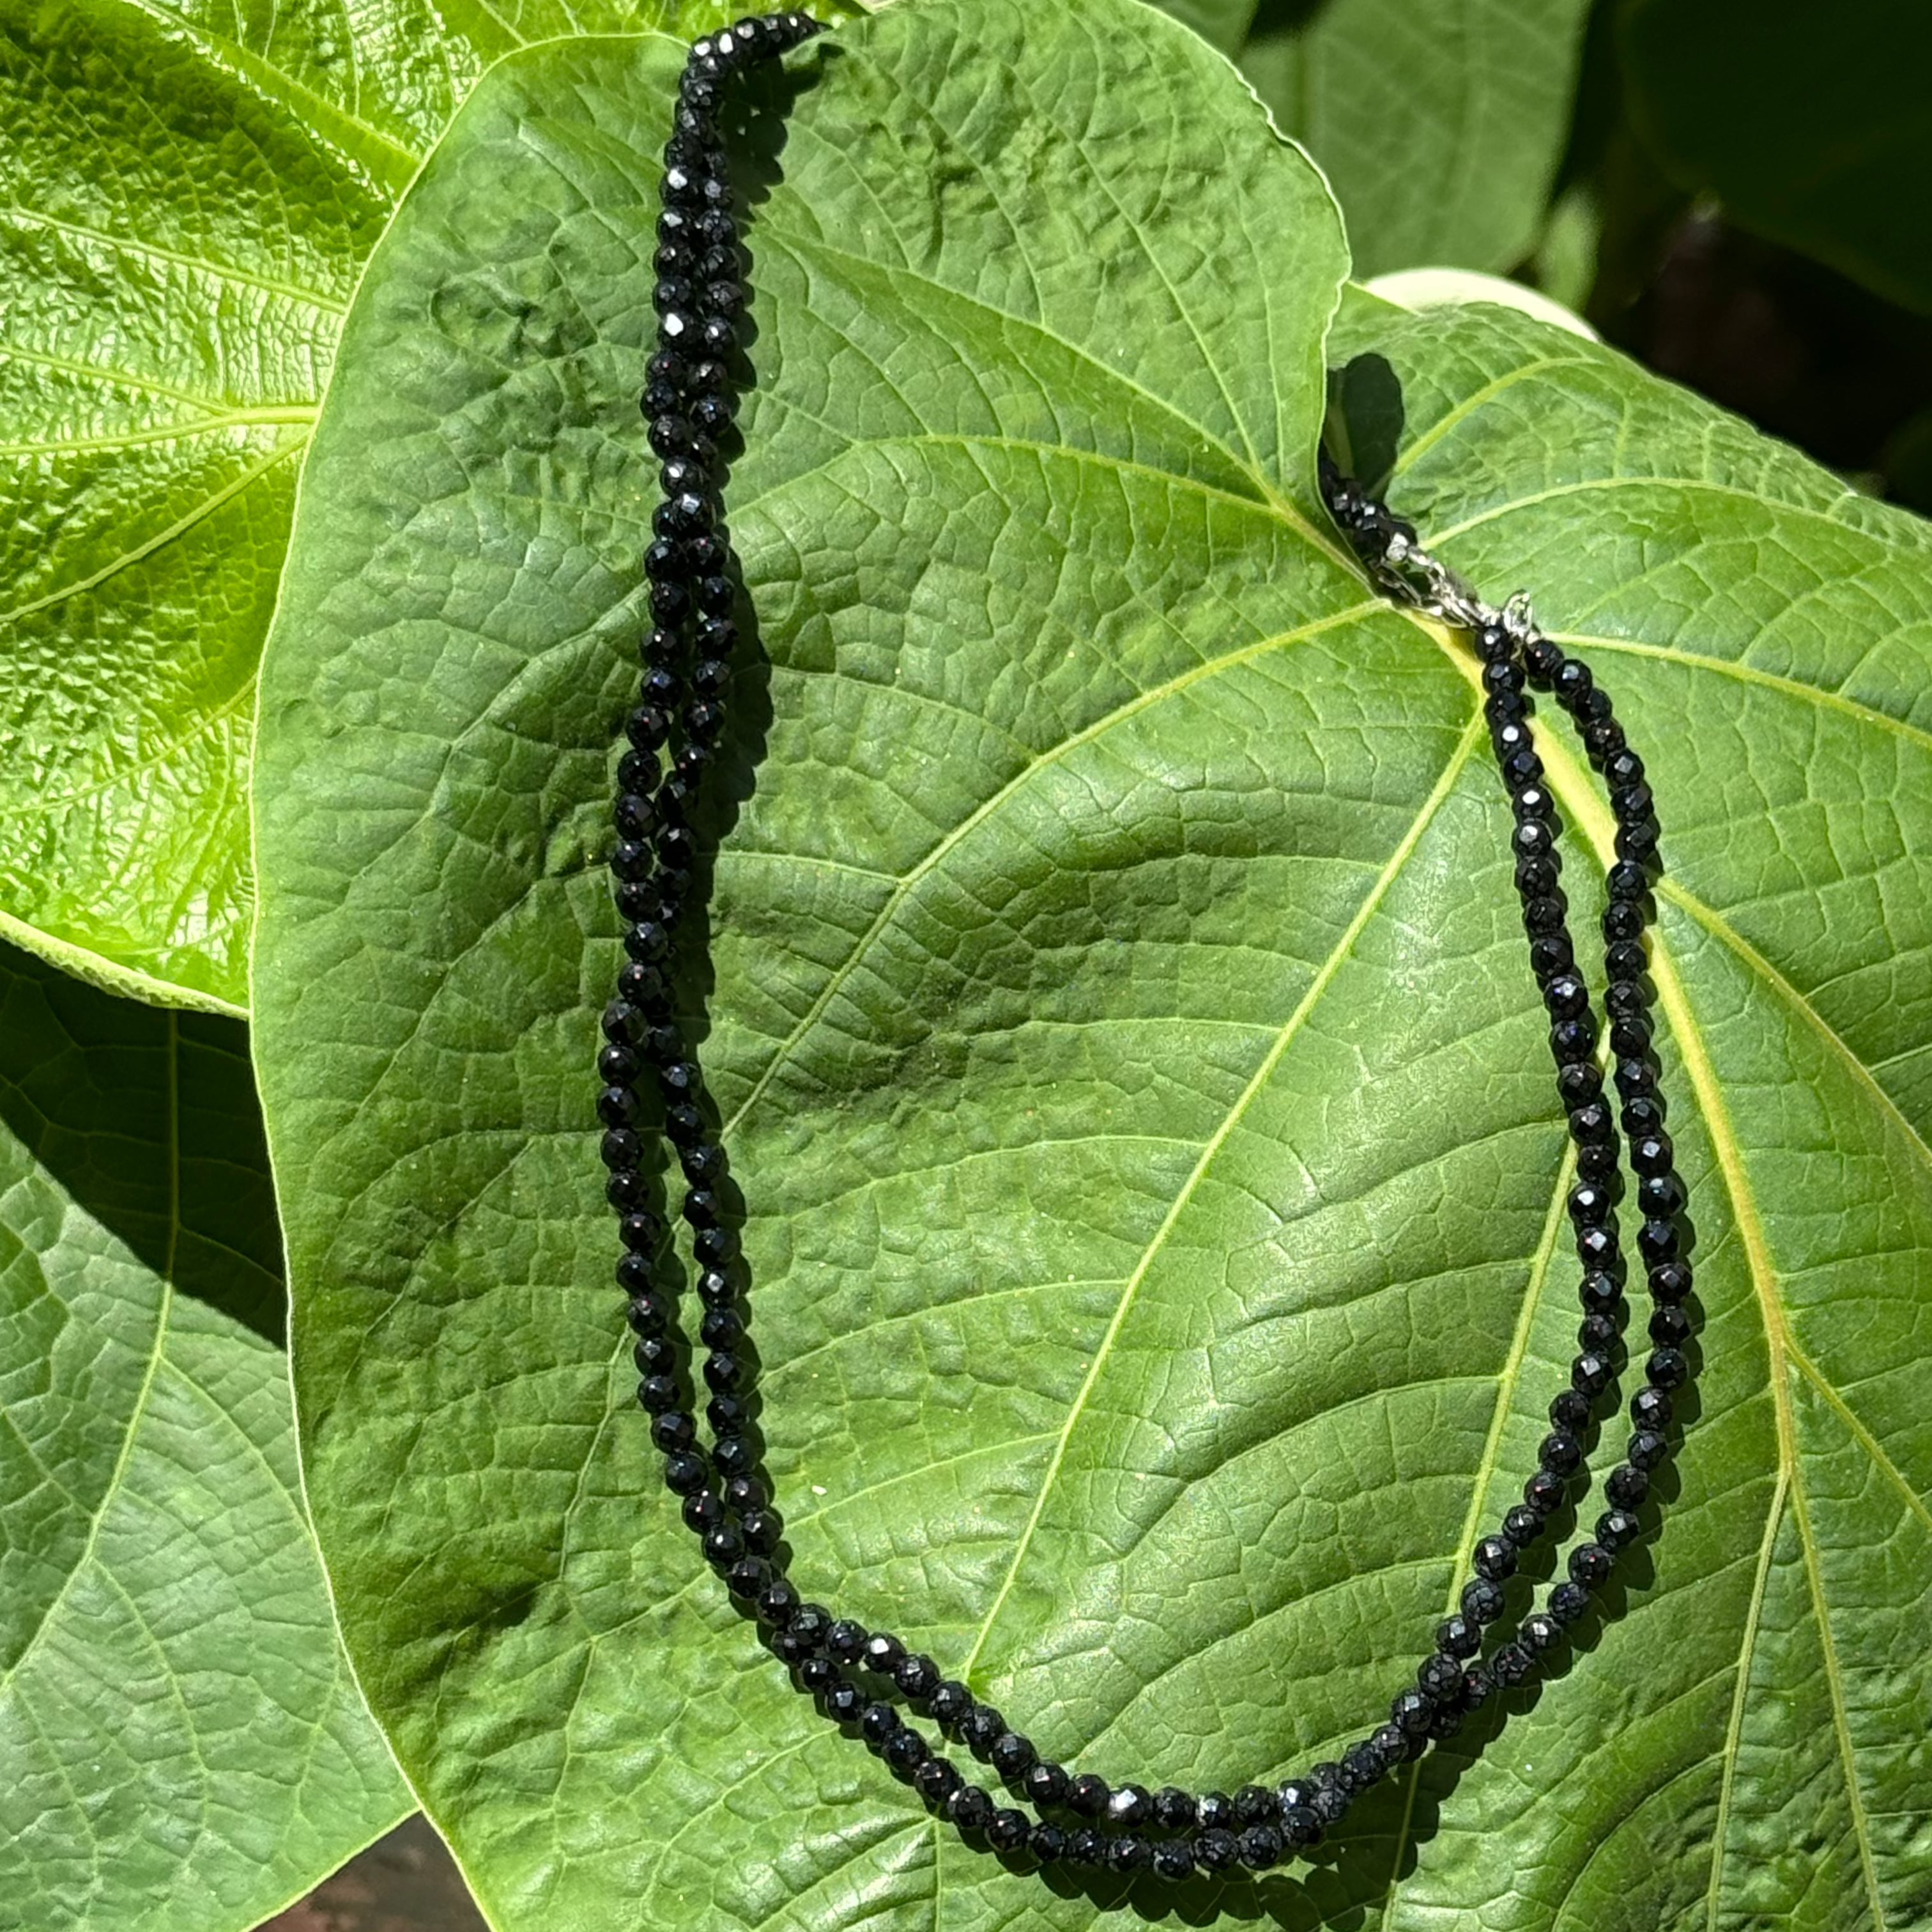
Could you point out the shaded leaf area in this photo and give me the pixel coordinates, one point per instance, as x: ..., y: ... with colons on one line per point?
x: 1441, y: 123
x: 1810, y: 127
x: 185, y: 1748
x: 192, y: 191
x: 1120, y: 1025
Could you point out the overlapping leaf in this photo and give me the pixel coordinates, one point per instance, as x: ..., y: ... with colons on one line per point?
x: 1120, y: 1023
x: 192, y: 189
x: 184, y: 1748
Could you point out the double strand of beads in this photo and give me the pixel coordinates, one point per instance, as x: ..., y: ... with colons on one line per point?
x: 861, y: 1678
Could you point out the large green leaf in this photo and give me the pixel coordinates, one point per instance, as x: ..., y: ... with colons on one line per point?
x: 1440, y: 122
x: 184, y: 1746
x: 192, y: 188
x: 1121, y: 1024
x: 1809, y: 123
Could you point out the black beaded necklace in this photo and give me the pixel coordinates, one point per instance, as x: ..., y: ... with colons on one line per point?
x: 860, y: 1677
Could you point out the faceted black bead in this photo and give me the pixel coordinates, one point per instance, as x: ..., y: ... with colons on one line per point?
x: 1543, y: 659
x: 1447, y: 1721
x: 846, y: 1640
x: 1522, y: 1525
x: 1628, y: 881
x: 1590, y: 1205
x: 1173, y: 1862
x: 1590, y: 1374
x: 1300, y: 1827
x: 1597, y: 1247
x: 1669, y: 1326
x: 684, y: 1473
x: 721, y: 1328
x: 745, y: 1493
x: 1596, y: 1333
x: 1459, y: 1637
x: 1566, y: 996
x: 883, y: 1653
x: 1439, y: 1676
x: 917, y: 1677
x: 1495, y: 1558
x: 1617, y: 1529
x: 1007, y: 1830
x: 1541, y: 1632
x: 906, y: 1751
x: 1254, y: 1804
x: 877, y: 1722
x: 1260, y: 1847
x: 1521, y: 767
x: 1572, y: 680
x: 1568, y: 1601
x: 1647, y: 1448
x: 763, y: 1530
x: 1589, y: 1564
x: 1603, y: 738
x: 949, y: 1703
x: 723, y: 1544
x: 1660, y: 1196
x: 1667, y: 1369
x: 732, y: 1456
x: 1650, y: 1409
x: 1330, y: 1800
x: 1642, y: 1114
x: 970, y: 1807
x: 1657, y: 1240
x: 1626, y: 1486
x: 1047, y: 1843
x: 1549, y: 954
x: 1011, y: 1755
x: 1482, y: 1601
x: 1363, y: 1763
x: 658, y: 1395
x: 981, y: 1728
x: 844, y: 1702
x: 1216, y: 1810
x: 1670, y: 1282
x: 1511, y: 1664
x: 777, y: 1602
x: 1569, y: 1412
x: 1505, y: 707
x: 1173, y: 1809
x: 1561, y: 1451
x: 816, y: 1673
x: 1637, y: 839
x: 1511, y: 737
x: 1494, y: 645
x: 1532, y: 839
x: 1046, y: 1783
x: 655, y: 1356
x: 1129, y: 1805
x: 1537, y: 874
x: 715, y: 1245
x: 1087, y: 1795
x: 1215, y: 1849
x: 936, y: 1780
x: 1545, y: 913
x: 649, y: 1313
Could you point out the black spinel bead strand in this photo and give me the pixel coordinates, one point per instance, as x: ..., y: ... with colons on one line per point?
x: 688, y: 402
